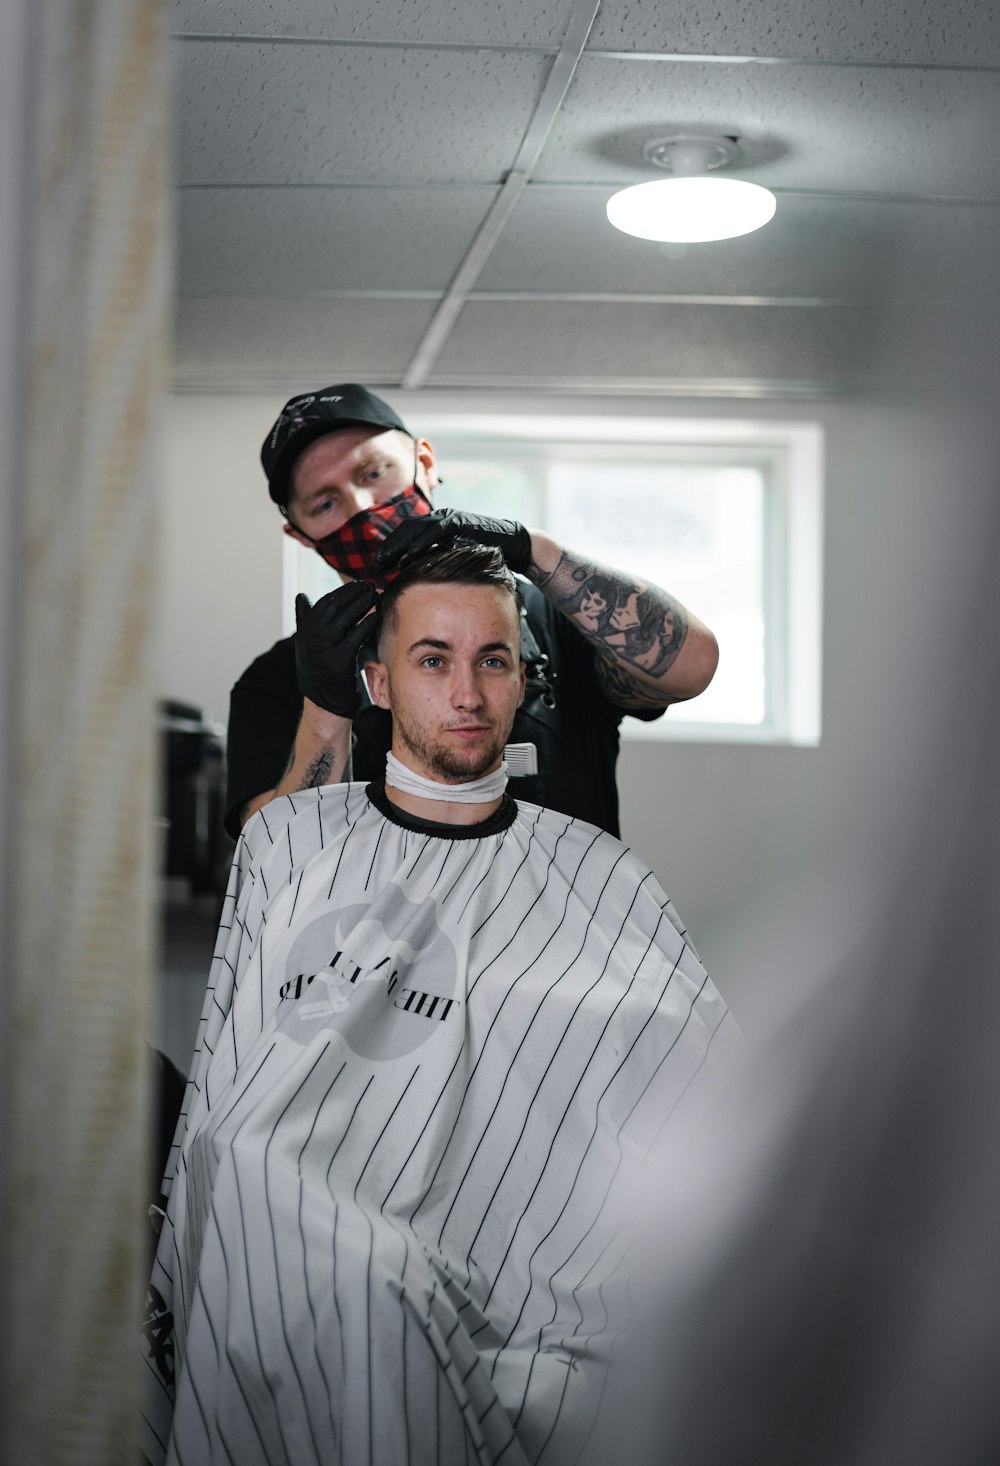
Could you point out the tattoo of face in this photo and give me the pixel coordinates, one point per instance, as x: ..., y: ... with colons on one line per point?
x: 638, y: 622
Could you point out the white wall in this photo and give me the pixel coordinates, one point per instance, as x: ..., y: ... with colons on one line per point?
x: 220, y: 549
x: 736, y: 833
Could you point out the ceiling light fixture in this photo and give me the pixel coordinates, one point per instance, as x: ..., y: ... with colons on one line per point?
x: 691, y: 207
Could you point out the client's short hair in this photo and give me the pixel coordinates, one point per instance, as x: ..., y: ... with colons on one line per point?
x: 470, y: 564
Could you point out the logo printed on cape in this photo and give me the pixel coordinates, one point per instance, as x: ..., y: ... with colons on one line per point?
x: 158, y: 1328
x: 384, y: 975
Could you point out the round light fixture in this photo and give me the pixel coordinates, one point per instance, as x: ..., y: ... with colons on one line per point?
x: 691, y: 207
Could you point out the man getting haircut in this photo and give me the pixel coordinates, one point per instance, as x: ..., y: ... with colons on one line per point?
x: 444, y: 1037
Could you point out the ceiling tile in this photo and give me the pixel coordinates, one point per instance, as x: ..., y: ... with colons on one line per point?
x: 284, y: 344
x: 944, y: 254
x: 945, y: 350
x: 319, y: 114
x: 800, y: 126
x: 560, y: 240
x: 959, y: 32
x: 292, y: 241
x: 567, y: 341
x: 514, y: 23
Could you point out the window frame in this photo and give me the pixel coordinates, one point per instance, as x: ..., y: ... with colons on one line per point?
x: 790, y: 456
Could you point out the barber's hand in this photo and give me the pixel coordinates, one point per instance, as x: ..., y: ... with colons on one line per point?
x: 442, y: 527
x: 328, y: 637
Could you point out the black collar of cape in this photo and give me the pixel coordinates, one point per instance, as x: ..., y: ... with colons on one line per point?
x: 500, y: 819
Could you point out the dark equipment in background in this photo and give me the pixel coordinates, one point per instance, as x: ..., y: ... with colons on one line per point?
x: 196, y: 847
x: 195, y: 856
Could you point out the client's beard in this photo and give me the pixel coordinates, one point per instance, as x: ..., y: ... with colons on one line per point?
x: 448, y: 762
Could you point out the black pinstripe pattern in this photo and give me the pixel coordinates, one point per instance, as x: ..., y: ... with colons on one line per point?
x: 535, y: 1015
x: 472, y: 987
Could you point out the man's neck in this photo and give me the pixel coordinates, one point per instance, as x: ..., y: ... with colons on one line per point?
x: 442, y: 811
x: 442, y: 801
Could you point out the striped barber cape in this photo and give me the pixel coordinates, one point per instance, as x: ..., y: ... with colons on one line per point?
x: 430, y: 1068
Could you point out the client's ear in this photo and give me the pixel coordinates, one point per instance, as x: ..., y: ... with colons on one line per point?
x: 377, y: 678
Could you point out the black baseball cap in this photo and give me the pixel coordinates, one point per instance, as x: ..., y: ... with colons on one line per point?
x: 311, y: 416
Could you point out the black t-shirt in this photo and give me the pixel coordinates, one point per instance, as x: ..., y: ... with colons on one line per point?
x: 564, y: 714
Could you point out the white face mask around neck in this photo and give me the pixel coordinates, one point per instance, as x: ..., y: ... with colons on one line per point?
x: 477, y: 791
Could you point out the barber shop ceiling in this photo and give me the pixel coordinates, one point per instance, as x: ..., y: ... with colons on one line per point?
x: 411, y: 193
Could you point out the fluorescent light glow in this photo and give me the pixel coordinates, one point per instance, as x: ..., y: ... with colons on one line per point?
x: 691, y: 210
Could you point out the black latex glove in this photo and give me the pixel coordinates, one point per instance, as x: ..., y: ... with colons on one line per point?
x: 442, y: 527
x: 327, y: 639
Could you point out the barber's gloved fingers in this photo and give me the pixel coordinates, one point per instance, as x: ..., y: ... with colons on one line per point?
x: 327, y: 641
x: 411, y: 539
x: 442, y: 527
x: 340, y: 607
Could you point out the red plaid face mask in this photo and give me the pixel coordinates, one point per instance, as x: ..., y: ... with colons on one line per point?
x: 351, y: 549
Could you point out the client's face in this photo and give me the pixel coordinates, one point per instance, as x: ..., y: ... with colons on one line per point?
x: 452, y: 678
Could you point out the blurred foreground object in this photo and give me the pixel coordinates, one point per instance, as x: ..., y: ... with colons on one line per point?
x: 828, y: 1285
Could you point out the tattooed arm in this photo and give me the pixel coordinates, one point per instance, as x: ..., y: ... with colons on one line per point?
x: 321, y: 754
x: 651, y: 650
x: 328, y: 637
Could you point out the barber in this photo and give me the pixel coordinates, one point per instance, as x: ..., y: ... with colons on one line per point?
x: 353, y: 484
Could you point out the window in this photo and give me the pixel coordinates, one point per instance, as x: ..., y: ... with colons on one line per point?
x: 726, y: 515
